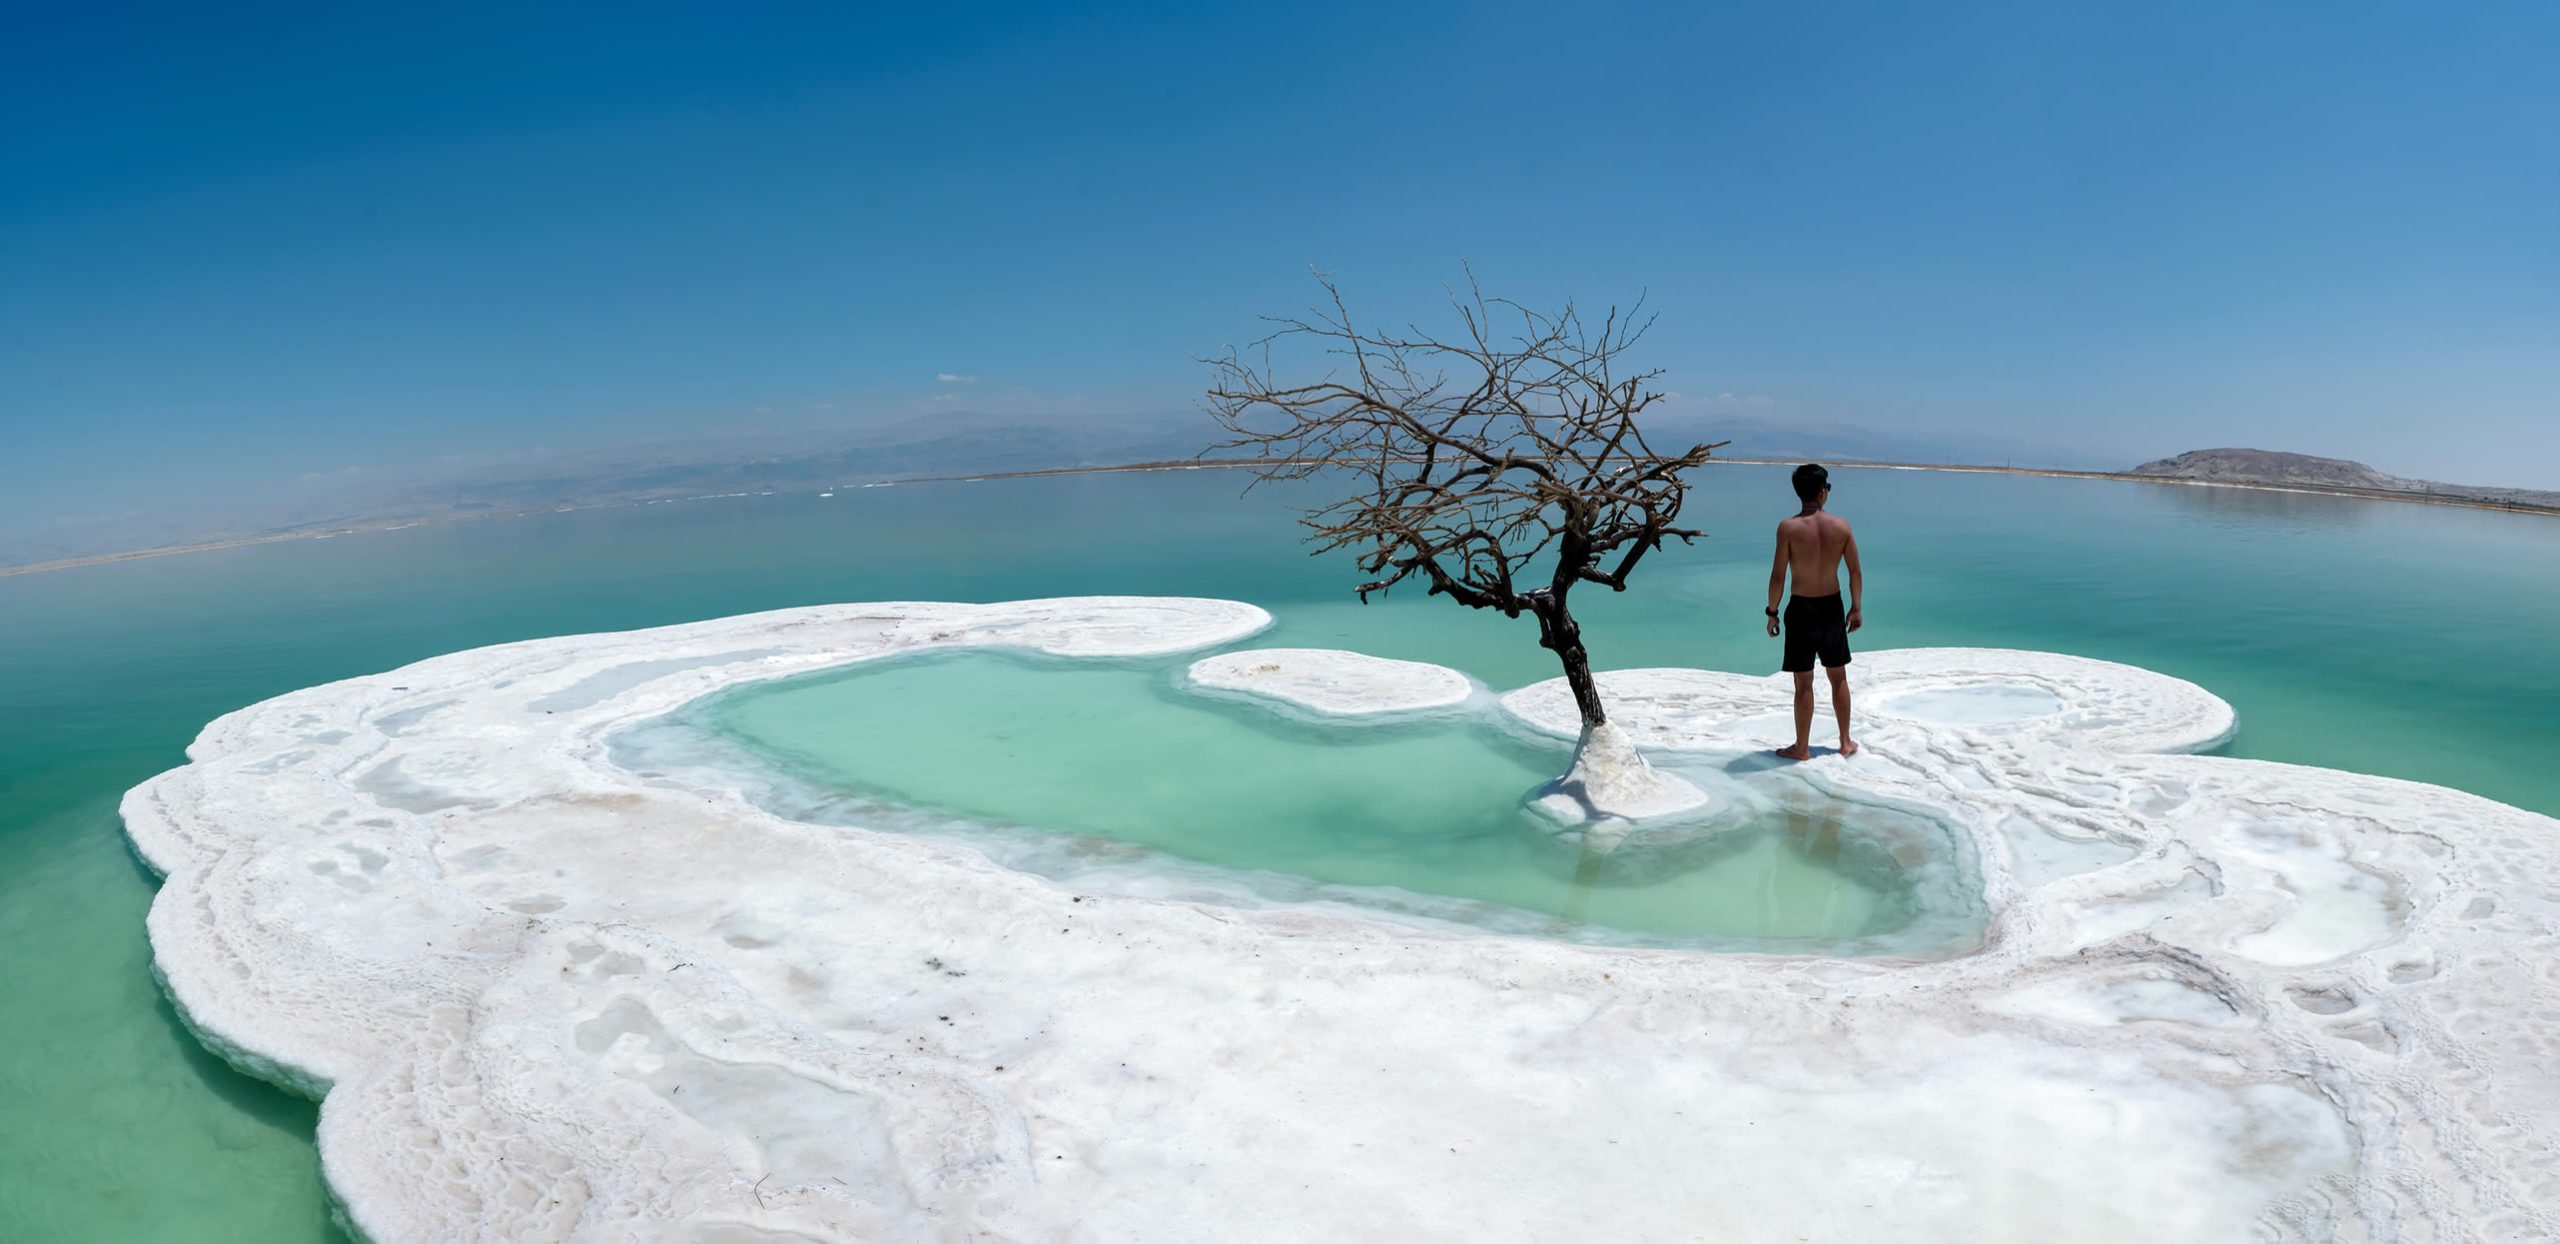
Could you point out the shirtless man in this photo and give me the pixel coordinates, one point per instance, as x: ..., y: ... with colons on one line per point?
x: 1812, y: 545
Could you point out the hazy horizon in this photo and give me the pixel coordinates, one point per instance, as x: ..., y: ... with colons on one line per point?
x: 848, y: 452
x: 277, y: 259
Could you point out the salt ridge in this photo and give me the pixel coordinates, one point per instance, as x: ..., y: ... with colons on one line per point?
x: 546, y: 997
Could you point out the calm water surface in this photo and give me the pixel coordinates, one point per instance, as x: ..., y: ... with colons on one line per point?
x: 2397, y: 639
x: 1013, y: 751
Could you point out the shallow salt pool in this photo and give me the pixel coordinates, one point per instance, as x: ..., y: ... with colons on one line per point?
x: 1992, y: 705
x: 1110, y: 775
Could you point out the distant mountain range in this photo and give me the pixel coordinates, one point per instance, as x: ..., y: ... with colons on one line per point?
x: 2271, y: 469
x: 945, y: 443
x: 1817, y: 440
x: 961, y: 443
x: 940, y: 444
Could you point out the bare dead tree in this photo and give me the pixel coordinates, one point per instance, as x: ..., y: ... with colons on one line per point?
x: 1479, y: 456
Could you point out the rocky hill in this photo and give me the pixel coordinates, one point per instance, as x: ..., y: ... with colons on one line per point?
x: 2259, y: 466
x: 2283, y: 470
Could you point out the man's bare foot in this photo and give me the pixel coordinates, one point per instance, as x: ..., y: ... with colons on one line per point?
x: 1795, y: 751
x: 1848, y: 747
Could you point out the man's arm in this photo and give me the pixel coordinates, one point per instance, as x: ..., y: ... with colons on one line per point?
x: 1857, y: 581
x: 1777, y: 577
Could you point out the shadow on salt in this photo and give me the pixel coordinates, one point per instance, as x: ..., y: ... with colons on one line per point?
x: 1106, y: 776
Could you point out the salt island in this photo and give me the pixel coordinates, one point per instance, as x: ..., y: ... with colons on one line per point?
x: 546, y: 991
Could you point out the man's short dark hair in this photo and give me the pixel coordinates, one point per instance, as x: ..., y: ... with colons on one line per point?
x: 1811, y: 479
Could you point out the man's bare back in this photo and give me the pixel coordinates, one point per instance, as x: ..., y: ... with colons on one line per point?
x: 1812, y: 546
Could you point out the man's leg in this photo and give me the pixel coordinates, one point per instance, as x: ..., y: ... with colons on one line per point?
x: 1839, y: 705
x: 1803, y: 748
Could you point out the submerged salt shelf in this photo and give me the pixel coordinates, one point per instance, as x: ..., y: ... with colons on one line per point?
x: 547, y: 995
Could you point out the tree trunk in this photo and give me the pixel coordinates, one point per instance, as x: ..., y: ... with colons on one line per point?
x: 1558, y: 633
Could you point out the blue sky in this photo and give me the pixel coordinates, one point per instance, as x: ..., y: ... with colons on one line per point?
x: 239, y: 248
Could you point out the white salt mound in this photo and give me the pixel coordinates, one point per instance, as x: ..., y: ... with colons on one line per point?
x: 549, y: 998
x: 1611, y: 788
x: 1330, y: 683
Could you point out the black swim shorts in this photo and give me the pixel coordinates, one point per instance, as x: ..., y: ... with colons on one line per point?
x: 1816, y: 626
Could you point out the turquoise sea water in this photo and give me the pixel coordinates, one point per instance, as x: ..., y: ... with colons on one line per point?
x: 2406, y: 640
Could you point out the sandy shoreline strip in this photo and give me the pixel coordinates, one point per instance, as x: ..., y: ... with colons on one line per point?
x: 2368, y: 494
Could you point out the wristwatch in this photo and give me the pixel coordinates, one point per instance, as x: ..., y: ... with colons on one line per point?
x: 1772, y: 611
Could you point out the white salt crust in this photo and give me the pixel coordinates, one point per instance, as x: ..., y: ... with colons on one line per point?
x: 548, y: 998
x: 1333, y: 684
x: 1611, y: 791
x: 2039, y: 696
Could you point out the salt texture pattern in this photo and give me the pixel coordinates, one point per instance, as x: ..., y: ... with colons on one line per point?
x: 549, y: 998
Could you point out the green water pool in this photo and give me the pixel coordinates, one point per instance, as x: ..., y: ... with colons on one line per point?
x: 1422, y: 817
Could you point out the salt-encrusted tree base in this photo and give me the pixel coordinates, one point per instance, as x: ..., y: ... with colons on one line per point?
x: 1611, y: 790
